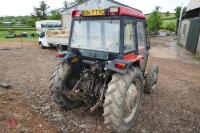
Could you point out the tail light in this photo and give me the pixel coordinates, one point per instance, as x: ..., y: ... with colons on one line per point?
x: 60, y: 55
x: 120, y: 65
x: 76, y: 13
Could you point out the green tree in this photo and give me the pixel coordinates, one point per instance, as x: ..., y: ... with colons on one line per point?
x: 55, y: 15
x: 20, y: 19
x: 184, y: 10
x: 167, y: 14
x: 74, y: 2
x: 157, y: 8
x: 41, y: 12
x: 171, y: 26
x: 66, y: 4
x: 31, y: 22
x: 154, y: 20
x: 177, y: 11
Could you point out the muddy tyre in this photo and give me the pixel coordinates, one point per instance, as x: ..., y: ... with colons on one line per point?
x: 123, y: 99
x: 151, y: 79
x: 58, y: 80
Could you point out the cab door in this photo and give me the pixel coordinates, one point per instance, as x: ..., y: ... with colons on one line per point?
x: 142, y: 44
x: 131, y: 42
x: 129, y: 37
x: 43, y: 39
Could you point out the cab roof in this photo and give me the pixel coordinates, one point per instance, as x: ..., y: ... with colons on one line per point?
x: 122, y: 11
x: 125, y: 11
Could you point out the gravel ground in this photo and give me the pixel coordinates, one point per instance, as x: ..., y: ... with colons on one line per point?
x: 27, y: 106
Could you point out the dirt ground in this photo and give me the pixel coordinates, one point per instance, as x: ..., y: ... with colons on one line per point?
x: 174, y: 106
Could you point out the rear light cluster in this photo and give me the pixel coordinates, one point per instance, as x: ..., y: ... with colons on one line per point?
x: 120, y: 66
x: 76, y: 13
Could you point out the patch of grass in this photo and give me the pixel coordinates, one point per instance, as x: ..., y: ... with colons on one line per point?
x: 169, y: 24
x: 168, y: 21
x: 165, y: 22
x: 163, y: 16
x: 16, y: 29
x: 18, y: 32
x: 19, y: 39
x: 4, y: 33
x: 15, y: 26
x: 5, y: 116
x: 169, y: 18
x: 197, y: 56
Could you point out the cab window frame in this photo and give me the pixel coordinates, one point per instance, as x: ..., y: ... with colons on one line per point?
x: 144, y: 34
x: 135, y: 40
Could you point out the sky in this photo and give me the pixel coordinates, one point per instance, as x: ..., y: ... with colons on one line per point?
x: 25, y: 7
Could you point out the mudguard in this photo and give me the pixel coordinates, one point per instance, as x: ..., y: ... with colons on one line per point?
x: 110, y: 65
x: 67, y: 56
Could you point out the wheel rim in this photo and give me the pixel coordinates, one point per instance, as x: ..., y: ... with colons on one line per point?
x: 131, y: 101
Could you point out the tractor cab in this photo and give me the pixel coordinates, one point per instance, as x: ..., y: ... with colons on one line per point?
x: 107, y: 34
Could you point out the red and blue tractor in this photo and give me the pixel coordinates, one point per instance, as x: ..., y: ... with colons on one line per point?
x: 105, y: 65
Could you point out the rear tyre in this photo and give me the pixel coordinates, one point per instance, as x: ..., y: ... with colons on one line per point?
x: 58, y: 80
x: 151, y: 79
x: 123, y: 99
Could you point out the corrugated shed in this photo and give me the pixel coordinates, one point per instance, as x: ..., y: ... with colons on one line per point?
x: 88, y: 4
x: 193, y: 34
x: 193, y: 4
x: 185, y: 25
x: 198, y: 44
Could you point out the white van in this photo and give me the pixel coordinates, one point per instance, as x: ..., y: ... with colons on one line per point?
x: 51, y: 34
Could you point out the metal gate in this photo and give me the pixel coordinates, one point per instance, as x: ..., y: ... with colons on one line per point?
x: 193, y: 34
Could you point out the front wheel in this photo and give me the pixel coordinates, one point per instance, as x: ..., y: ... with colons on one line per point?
x: 122, y: 100
x: 151, y: 79
x: 41, y: 45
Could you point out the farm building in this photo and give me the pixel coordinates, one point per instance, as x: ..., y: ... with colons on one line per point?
x: 88, y: 4
x: 7, y: 23
x: 47, y: 24
x: 190, y: 27
x: 20, y: 24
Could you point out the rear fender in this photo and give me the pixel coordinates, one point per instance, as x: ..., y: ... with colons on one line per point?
x: 111, y: 65
x: 130, y: 60
x: 69, y: 57
x: 132, y: 57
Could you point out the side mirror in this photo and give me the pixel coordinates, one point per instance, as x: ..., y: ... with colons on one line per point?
x: 148, y: 43
x: 146, y: 24
x: 148, y: 47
